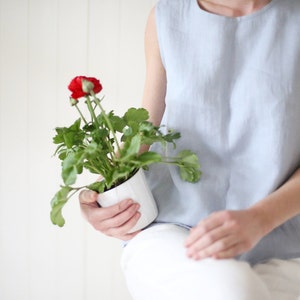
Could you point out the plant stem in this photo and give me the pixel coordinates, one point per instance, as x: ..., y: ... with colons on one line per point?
x: 75, y: 190
x: 91, y: 110
x: 107, y: 121
x: 94, y: 117
x: 81, y: 115
x: 171, y: 161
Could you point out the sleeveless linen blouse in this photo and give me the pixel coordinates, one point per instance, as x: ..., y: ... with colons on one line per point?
x: 233, y: 91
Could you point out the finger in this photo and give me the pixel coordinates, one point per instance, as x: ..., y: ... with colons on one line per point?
x: 128, y: 236
x: 102, y: 213
x: 207, y: 240
x: 87, y: 197
x: 121, y: 232
x: 100, y: 178
x: 203, y: 228
x: 112, y: 211
x: 120, y: 219
x: 231, y: 252
x: 220, y: 246
x: 95, y: 215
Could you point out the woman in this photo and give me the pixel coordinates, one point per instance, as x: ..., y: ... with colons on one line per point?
x: 225, y: 73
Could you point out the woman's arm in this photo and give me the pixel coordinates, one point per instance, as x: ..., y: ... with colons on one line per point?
x: 155, y: 83
x: 281, y: 205
x: 226, y: 234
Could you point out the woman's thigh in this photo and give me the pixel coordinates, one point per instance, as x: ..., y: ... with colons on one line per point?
x: 282, y: 277
x: 156, y: 267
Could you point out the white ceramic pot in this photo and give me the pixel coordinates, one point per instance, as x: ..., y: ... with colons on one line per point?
x: 137, y: 189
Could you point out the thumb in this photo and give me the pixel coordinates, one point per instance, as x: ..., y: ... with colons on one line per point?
x: 88, y: 197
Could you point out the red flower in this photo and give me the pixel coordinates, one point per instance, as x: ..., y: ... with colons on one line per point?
x: 75, y: 86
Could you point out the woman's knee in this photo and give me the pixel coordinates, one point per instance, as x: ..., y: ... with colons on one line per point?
x: 231, y: 279
x: 156, y: 260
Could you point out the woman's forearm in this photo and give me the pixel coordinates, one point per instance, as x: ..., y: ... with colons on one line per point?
x: 228, y: 233
x: 281, y: 205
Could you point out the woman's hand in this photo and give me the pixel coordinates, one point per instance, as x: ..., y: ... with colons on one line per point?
x: 115, y: 220
x: 225, y: 234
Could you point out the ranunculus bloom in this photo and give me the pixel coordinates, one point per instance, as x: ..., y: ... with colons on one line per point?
x: 75, y: 86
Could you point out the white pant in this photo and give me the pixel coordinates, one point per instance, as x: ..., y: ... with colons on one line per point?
x: 156, y: 268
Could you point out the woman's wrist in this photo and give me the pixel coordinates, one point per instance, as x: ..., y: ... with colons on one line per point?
x: 280, y: 206
x: 263, y: 218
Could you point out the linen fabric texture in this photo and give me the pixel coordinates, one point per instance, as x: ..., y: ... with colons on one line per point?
x: 233, y: 91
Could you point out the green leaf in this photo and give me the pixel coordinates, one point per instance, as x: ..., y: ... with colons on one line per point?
x: 127, y: 132
x: 62, y: 155
x: 189, y: 166
x: 89, y: 128
x: 136, y: 115
x: 188, y: 157
x: 71, y: 166
x: 57, y: 203
x: 189, y: 174
x: 92, y: 148
x: 117, y: 123
x: 121, y: 174
x: 131, y: 148
x: 97, y: 186
x: 69, y: 136
x: 148, y: 158
x: 147, y: 127
x: 99, y: 135
x: 171, y: 136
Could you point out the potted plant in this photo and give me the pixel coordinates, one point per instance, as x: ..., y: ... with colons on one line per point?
x: 109, y: 145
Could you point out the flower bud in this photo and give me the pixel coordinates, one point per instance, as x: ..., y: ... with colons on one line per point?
x: 73, y: 101
x: 87, y: 86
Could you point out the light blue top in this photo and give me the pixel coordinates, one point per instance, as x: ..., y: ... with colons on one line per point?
x: 233, y: 91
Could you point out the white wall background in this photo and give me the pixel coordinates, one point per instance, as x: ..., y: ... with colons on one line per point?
x: 43, y: 45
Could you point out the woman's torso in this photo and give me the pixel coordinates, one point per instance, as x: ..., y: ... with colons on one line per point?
x: 233, y: 91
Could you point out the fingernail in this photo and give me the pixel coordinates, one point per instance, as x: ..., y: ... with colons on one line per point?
x: 187, y: 243
x: 128, y: 202
x: 93, y: 195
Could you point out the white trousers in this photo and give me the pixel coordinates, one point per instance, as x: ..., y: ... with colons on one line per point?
x: 156, y: 268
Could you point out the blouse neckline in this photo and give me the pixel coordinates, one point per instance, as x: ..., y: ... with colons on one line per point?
x: 216, y: 17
